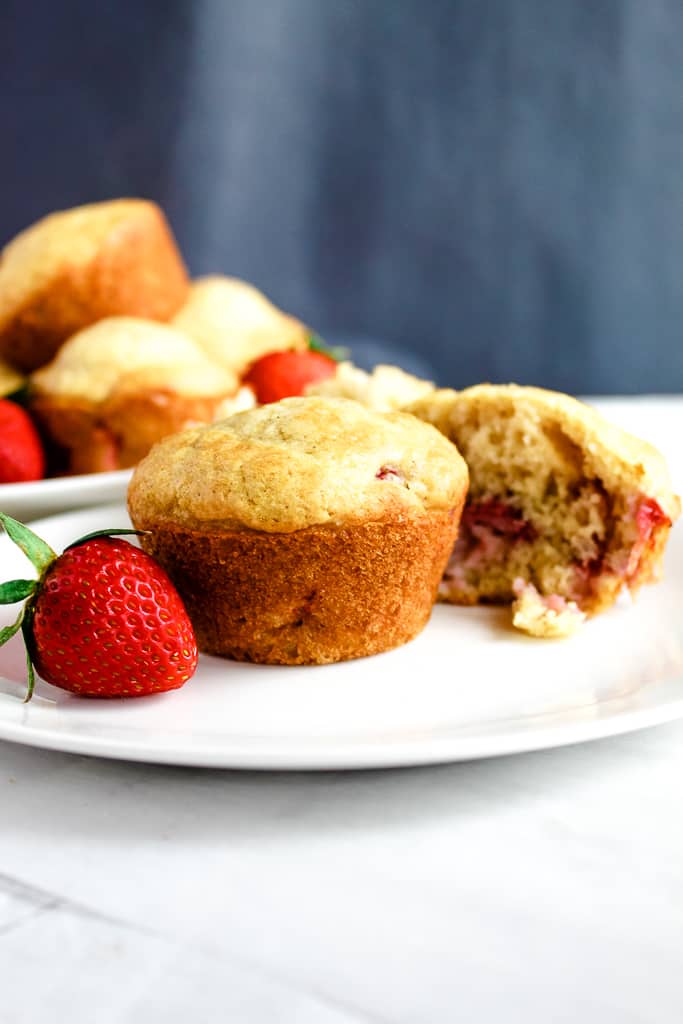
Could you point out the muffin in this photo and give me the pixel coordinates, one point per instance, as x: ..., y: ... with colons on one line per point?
x: 564, y: 509
x: 116, y: 388
x: 78, y: 266
x: 306, y: 531
x: 235, y: 324
x: 386, y: 388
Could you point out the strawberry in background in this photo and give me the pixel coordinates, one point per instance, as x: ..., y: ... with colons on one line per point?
x: 21, y: 451
x: 286, y: 374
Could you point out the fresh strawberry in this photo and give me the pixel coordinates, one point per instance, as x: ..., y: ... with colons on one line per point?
x: 21, y: 453
x: 284, y: 374
x: 102, y: 620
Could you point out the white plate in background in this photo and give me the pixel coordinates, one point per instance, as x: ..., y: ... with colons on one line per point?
x: 655, y: 418
x: 468, y: 687
x: 27, y: 501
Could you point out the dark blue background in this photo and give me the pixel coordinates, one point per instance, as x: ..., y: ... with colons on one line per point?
x: 491, y: 188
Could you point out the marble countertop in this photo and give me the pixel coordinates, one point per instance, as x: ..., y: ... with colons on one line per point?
x: 539, y: 888
x: 543, y: 887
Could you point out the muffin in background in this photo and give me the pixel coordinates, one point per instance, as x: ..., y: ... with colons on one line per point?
x: 78, y: 266
x: 235, y: 324
x: 116, y: 388
x: 306, y: 531
x: 385, y: 388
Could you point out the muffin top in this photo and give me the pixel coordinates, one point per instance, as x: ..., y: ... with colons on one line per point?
x: 297, y: 463
x: 124, y: 354
x: 73, y: 237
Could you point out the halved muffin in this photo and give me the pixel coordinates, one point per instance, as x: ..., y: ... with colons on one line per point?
x: 305, y: 531
x: 564, y: 509
x: 235, y: 324
x: 74, y: 267
x: 116, y: 388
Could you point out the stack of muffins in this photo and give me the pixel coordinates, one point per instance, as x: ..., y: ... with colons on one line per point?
x: 119, y: 346
x: 122, y: 349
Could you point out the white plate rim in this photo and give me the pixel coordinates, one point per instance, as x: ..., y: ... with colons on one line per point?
x: 28, y: 489
x: 355, y: 756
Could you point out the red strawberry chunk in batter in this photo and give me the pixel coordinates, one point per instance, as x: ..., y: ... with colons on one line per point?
x: 649, y: 515
x: 389, y: 473
x: 498, y: 517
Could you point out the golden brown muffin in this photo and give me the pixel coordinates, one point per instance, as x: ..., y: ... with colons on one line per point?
x: 78, y: 266
x: 235, y: 324
x: 564, y: 508
x: 116, y: 388
x: 306, y: 531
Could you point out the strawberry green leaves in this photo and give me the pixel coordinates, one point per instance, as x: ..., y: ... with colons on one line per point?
x: 336, y: 352
x: 41, y: 557
x: 7, y: 632
x: 36, y: 550
x: 16, y: 590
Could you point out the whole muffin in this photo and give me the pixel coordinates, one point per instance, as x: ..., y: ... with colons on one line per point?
x: 74, y: 267
x: 116, y: 388
x: 306, y: 531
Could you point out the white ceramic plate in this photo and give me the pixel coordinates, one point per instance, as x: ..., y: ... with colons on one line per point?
x: 468, y: 687
x: 28, y: 501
